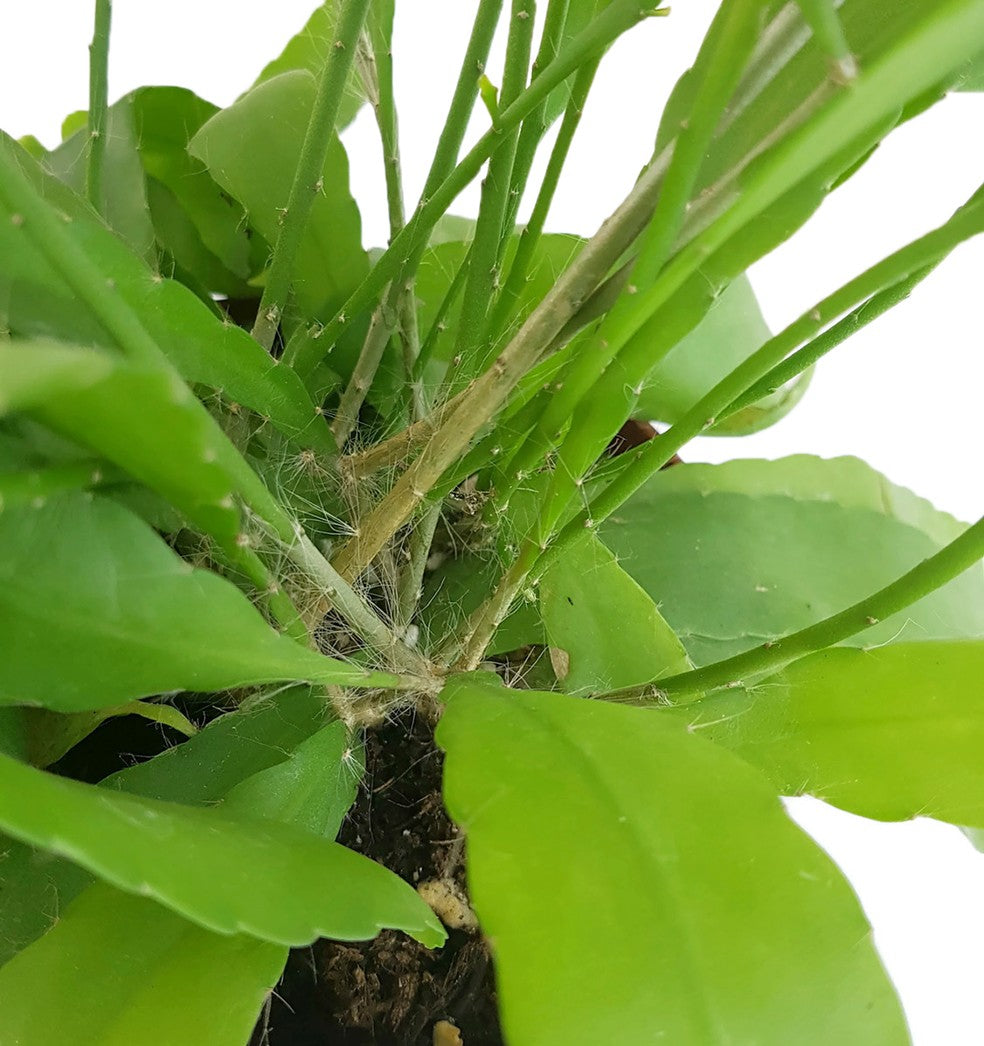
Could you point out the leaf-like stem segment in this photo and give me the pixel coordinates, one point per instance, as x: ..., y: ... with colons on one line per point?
x: 46, y: 231
x: 929, y: 575
x: 98, y: 102
x: 31, y: 485
x: 310, y: 166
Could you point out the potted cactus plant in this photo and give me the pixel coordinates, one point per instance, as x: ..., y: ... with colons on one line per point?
x: 437, y: 672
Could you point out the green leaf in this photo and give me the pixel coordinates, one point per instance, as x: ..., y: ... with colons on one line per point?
x: 184, y: 257
x: 752, y: 550
x: 252, y: 148
x: 973, y: 78
x: 665, y: 873
x: 118, y: 970
x: 149, y: 133
x: 35, y: 301
x: 14, y: 734
x: 158, y: 972
x: 313, y: 788
x: 262, y: 733
x: 227, y: 872
x: 604, y: 630
x: 124, y: 201
x: 309, y: 49
x: 730, y: 332
x: 121, y: 410
x: 97, y: 610
x: 166, y: 118
x: 35, y: 886
x: 52, y: 734
x: 891, y: 733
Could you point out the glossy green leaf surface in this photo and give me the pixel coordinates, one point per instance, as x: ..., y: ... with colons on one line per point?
x: 604, y: 630
x: 165, y: 119
x: 309, y: 49
x: 648, y: 883
x: 35, y: 301
x: 312, y: 788
x: 97, y: 610
x: 148, y: 985
x: 147, y: 166
x: 730, y: 332
x: 124, y: 200
x: 121, y: 410
x: 738, y: 554
x: 258, y: 735
x: 251, y: 149
x: 14, y: 734
x: 118, y: 970
x: 35, y: 886
x: 227, y: 872
x: 973, y: 79
x: 890, y: 733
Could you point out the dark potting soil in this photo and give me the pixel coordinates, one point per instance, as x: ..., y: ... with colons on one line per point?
x: 392, y: 991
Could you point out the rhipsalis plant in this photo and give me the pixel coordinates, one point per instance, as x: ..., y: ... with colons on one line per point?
x: 431, y: 660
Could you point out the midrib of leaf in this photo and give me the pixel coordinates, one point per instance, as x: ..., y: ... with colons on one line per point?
x: 713, y: 1028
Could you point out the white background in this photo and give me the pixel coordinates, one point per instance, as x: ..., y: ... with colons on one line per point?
x: 905, y: 393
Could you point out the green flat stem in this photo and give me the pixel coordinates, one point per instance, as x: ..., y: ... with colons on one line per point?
x: 931, y: 574
x: 48, y: 233
x: 34, y: 485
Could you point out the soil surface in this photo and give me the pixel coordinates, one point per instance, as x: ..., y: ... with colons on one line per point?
x: 392, y: 990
